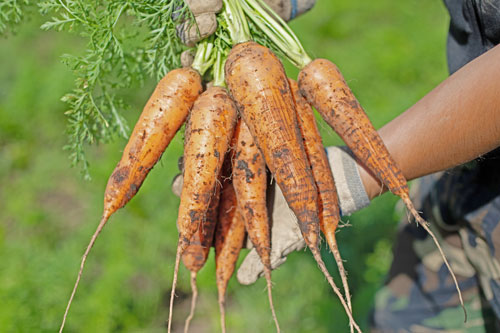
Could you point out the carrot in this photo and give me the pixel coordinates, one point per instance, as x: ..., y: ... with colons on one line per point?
x: 163, y: 115
x: 229, y: 239
x: 196, y: 254
x: 250, y: 184
x: 329, y: 215
x: 323, y: 85
x: 257, y: 81
x: 210, y: 127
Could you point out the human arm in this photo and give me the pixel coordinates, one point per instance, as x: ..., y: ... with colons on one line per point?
x: 456, y: 122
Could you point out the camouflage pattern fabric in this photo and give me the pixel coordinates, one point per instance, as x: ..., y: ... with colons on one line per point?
x: 463, y: 207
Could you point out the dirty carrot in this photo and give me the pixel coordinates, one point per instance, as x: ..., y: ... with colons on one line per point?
x: 257, y: 81
x: 323, y: 85
x: 250, y: 185
x: 229, y: 239
x: 163, y: 115
x: 196, y: 254
x: 210, y: 126
x: 329, y: 215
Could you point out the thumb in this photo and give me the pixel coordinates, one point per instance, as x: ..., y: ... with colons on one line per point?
x: 252, y: 268
x: 177, y: 184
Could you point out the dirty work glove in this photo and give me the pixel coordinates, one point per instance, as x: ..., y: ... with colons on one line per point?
x: 350, y: 188
x: 206, y: 23
x: 285, y: 238
x: 290, y: 9
x: 286, y: 235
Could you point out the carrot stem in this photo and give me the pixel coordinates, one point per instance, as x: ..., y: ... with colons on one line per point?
x: 104, y: 219
x: 218, y: 71
x: 277, y: 30
x: 204, y: 57
x: 236, y: 21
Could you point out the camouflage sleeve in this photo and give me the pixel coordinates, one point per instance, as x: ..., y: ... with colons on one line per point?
x: 419, y: 294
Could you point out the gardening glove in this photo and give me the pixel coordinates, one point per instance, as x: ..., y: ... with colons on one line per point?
x: 187, y: 58
x: 290, y: 9
x: 206, y: 23
x: 286, y: 235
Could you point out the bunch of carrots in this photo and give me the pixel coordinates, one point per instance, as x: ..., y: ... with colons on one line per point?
x: 250, y: 123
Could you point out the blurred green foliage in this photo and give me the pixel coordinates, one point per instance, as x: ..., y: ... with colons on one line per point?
x: 391, y: 53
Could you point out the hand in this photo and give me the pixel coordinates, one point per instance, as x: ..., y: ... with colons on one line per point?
x: 285, y: 234
x: 285, y: 238
x: 206, y: 23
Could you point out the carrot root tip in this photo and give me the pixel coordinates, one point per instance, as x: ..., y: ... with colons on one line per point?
x: 336, y: 290
x: 426, y: 226
x: 194, y: 298
x: 104, y: 219
x: 222, y: 308
x: 270, y: 297
x: 174, y: 284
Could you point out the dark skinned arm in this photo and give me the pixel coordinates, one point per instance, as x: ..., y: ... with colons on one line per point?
x: 455, y: 123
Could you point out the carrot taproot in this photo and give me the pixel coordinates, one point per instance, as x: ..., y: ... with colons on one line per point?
x: 210, y: 126
x: 323, y: 85
x: 250, y: 185
x: 161, y: 118
x: 196, y: 254
x: 328, y: 203
x: 229, y: 239
x: 258, y: 84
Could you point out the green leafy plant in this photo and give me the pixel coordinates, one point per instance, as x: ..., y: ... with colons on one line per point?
x: 12, y: 12
x: 126, y: 40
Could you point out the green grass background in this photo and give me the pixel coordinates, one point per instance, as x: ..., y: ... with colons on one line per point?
x: 391, y: 53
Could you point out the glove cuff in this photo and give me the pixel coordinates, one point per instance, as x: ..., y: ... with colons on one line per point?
x: 289, y: 9
x: 350, y: 189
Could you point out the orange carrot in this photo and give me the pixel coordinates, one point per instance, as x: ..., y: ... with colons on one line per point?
x: 328, y: 204
x: 210, y: 127
x: 250, y: 185
x: 229, y: 239
x: 163, y: 115
x: 196, y: 254
x: 323, y: 85
x: 257, y: 81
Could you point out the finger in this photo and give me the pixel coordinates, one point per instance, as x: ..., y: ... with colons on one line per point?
x: 285, y: 229
x: 277, y: 262
x: 177, y: 184
x: 295, y: 246
x: 187, y: 59
x: 205, y: 25
x: 250, y: 269
x: 198, y: 7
